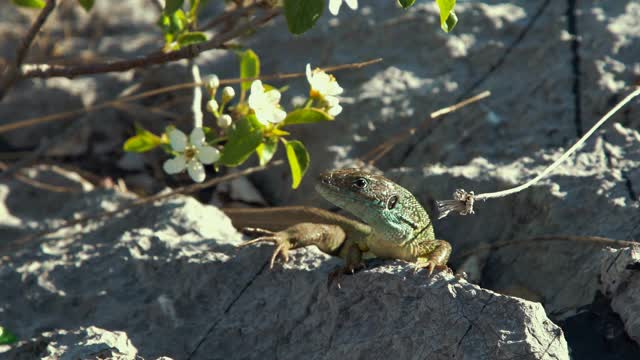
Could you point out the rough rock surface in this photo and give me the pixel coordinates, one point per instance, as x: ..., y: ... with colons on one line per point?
x: 620, y: 280
x: 168, y: 280
x: 553, y: 68
x: 84, y: 343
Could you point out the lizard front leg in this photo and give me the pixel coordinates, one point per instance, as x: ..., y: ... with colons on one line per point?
x: 328, y: 238
x: 433, y: 255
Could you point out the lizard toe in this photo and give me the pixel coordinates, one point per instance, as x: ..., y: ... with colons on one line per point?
x: 257, y: 240
x: 281, y: 250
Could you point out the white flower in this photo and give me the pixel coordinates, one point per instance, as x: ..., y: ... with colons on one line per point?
x: 265, y: 104
x: 213, y: 82
x: 224, y: 121
x: 212, y: 106
x: 334, y: 5
x: 227, y: 94
x: 322, y: 84
x: 192, y: 153
x: 325, y: 87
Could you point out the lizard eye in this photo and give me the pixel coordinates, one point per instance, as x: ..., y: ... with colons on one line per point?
x: 360, y: 183
x: 391, y: 203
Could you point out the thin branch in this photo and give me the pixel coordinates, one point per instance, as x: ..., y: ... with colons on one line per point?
x: 188, y: 189
x: 36, y: 183
x: 354, y: 66
x: 381, y: 150
x: 196, y: 105
x: 12, y: 72
x: 595, y: 240
x: 461, y: 104
x: 159, y: 57
x: 113, y: 103
x: 463, y: 201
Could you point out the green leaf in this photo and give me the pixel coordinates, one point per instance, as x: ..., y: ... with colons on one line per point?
x: 6, y: 337
x: 36, y: 4
x: 249, y: 67
x: 306, y: 116
x: 87, y: 4
x: 446, y: 12
x: 191, y: 38
x: 143, y: 141
x: 302, y: 14
x: 171, y: 6
x: 164, y: 23
x: 244, y: 138
x: 452, y: 20
x: 266, y: 150
x: 298, y: 161
x: 178, y: 21
x: 406, y: 3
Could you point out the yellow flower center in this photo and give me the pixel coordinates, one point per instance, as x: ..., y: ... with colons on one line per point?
x: 314, y: 93
x: 190, y: 152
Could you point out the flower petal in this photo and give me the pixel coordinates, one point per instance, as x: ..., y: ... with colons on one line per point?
x: 197, y: 137
x: 256, y: 97
x: 308, y: 72
x: 178, y: 140
x: 334, y: 6
x: 333, y: 88
x: 208, y: 155
x: 256, y: 87
x: 353, y: 4
x: 332, y: 101
x: 262, y: 115
x: 273, y: 96
x: 174, y: 165
x: 335, y: 110
x: 277, y: 115
x: 196, y: 170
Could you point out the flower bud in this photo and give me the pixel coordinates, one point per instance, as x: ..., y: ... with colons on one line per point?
x: 224, y: 121
x: 212, y: 106
x: 228, y: 93
x: 213, y: 82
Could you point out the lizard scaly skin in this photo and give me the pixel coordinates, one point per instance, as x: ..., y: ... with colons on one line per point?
x: 397, y: 226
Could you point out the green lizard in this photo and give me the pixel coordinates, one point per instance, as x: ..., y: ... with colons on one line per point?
x: 397, y: 226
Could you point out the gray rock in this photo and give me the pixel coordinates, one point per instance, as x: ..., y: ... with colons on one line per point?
x: 83, y: 343
x: 620, y: 280
x: 168, y: 280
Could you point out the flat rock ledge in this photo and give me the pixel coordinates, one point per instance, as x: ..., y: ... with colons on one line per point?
x: 168, y: 280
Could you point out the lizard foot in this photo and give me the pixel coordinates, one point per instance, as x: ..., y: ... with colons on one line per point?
x: 339, y: 273
x: 431, y: 266
x: 280, y: 239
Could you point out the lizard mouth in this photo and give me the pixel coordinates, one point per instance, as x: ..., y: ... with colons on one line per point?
x: 326, y: 187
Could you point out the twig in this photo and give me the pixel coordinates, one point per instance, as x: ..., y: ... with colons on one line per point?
x: 461, y: 104
x: 381, y: 150
x: 13, y: 70
x: 188, y: 189
x: 38, y: 184
x: 159, y: 57
x: 597, y: 240
x: 44, y: 145
x: 196, y: 105
x: 463, y: 200
x: 166, y: 89
x: 356, y: 66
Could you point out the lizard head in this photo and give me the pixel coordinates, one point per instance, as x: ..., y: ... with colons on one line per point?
x: 384, y: 205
